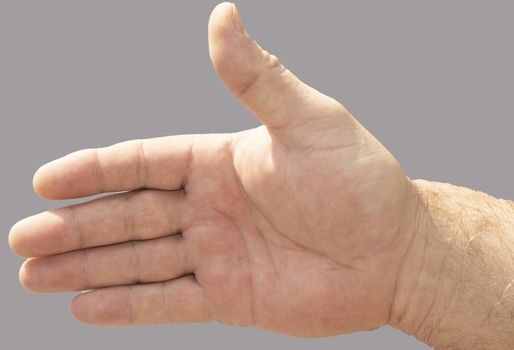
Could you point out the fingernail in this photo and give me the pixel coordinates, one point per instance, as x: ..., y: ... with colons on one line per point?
x: 237, y: 19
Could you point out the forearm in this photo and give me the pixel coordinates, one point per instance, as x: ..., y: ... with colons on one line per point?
x: 456, y: 287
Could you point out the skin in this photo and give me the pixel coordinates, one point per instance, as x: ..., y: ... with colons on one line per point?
x: 305, y: 225
x: 245, y: 213
x: 456, y: 286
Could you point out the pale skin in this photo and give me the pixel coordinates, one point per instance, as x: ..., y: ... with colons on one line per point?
x: 305, y: 225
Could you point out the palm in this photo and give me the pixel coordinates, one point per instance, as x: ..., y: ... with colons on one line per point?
x: 273, y: 238
x: 295, y: 226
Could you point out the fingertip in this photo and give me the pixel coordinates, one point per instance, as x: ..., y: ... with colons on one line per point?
x: 62, y: 178
x: 236, y: 18
x: 221, y: 11
x: 226, y: 15
x: 235, y: 57
x: 36, y: 182
x: 24, y: 275
x: 77, y: 308
x: 16, y: 239
x: 222, y: 5
x: 224, y: 23
x: 11, y: 238
x: 82, y: 310
x: 31, y: 277
x: 40, y: 182
x: 95, y: 307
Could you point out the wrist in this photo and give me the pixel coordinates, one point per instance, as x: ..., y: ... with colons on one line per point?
x: 453, y: 289
x: 414, y: 295
x: 419, y: 284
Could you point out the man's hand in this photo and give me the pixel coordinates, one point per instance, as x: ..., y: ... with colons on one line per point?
x: 299, y: 226
x: 306, y: 225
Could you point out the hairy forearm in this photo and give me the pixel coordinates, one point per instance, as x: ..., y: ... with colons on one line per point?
x: 456, y: 287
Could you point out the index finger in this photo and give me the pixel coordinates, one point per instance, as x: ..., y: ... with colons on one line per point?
x: 159, y: 163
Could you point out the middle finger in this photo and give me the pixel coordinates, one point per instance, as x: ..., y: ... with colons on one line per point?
x: 112, y: 219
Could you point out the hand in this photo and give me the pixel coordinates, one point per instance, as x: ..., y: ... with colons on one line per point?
x: 299, y: 226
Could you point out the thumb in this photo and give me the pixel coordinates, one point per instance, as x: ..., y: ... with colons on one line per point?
x: 271, y: 92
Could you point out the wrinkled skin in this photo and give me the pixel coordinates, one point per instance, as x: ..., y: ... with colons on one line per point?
x: 298, y: 226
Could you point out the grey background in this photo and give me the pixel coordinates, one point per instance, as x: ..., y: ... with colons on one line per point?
x: 432, y: 80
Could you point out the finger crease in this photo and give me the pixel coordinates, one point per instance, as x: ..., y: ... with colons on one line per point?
x: 165, y: 303
x: 85, y: 269
x: 130, y: 235
x: 271, y: 62
x: 100, y: 175
x: 77, y: 227
x: 142, y: 164
x: 188, y: 170
x: 130, y: 305
x: 135, y: 262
